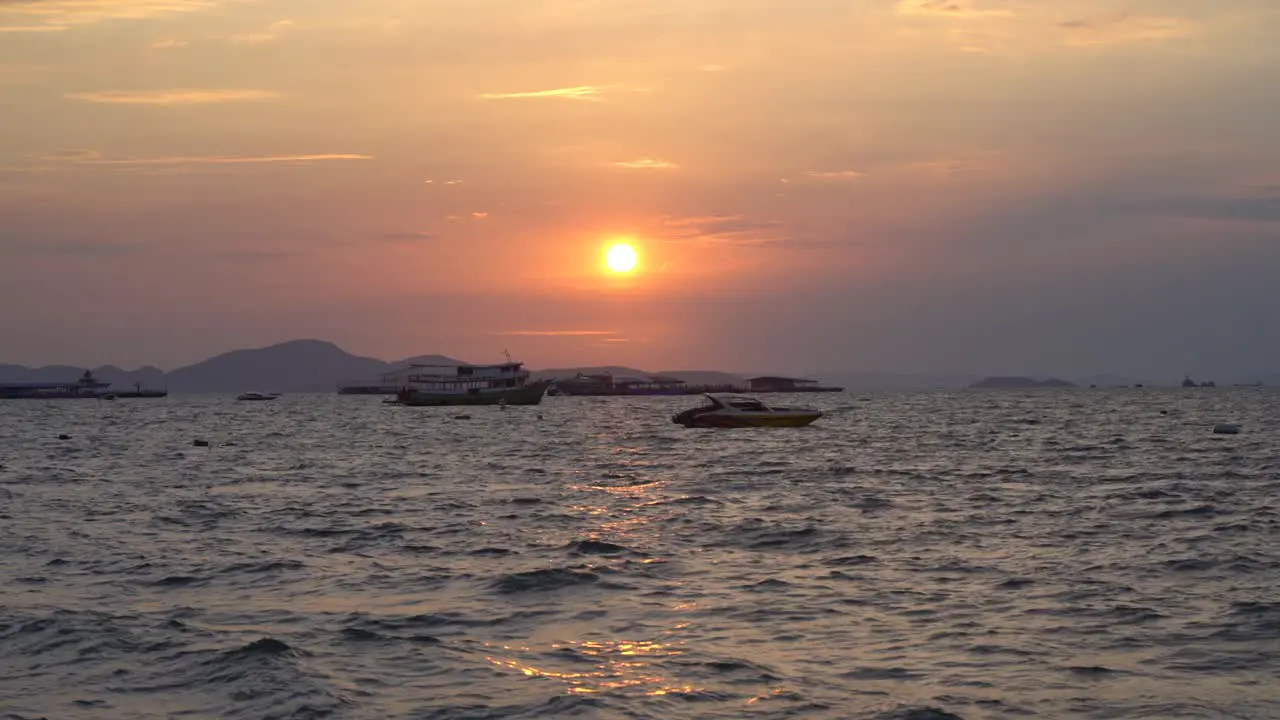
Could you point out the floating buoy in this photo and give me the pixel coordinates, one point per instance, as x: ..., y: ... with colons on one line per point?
x: 1226, y: 429
x: 461, y: 417
x: 64, y: 436
x: 200, y: 443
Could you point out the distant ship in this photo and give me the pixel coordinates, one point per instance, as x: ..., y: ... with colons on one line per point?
x: 86, y: 388
x: 444, y: 385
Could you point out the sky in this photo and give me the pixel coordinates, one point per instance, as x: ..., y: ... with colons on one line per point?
x: 980, y: 186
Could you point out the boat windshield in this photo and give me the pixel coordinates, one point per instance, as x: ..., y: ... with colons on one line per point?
x: 737, y: 402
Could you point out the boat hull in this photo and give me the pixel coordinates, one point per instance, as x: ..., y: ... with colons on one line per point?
x: 528, y: 395
x: 53, y: 396
x: 746, y: 420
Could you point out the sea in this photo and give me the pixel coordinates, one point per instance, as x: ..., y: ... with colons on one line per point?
x: 910, y: 556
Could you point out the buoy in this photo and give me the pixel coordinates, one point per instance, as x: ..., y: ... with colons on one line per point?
x: 200, y: 443
x: 64, y: 436
x: 461, y: 417
x: 1226, y: 429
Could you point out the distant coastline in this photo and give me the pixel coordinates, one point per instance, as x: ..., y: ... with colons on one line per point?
x: 318, y: 366
x: 1000, y: 382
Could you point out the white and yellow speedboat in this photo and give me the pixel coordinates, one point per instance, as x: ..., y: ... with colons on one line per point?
x: 736, y: 411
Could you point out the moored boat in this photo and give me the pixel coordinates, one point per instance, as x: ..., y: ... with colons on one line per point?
x: 86, y: 388
x: 727, y: 410
x: 446, y: 385
x: 257, y: 396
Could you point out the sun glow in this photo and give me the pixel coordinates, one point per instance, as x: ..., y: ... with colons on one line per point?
x: 621, y: 258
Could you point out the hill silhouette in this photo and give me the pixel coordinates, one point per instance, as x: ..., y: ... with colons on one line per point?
x: 693, y: 377
x: 297, y: 366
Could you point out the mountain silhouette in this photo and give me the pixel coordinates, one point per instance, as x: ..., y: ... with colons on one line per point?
x: 297, y: 366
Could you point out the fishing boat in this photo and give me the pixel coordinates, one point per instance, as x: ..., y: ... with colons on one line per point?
x: 257, y: 396
x: 727, y: 410
x: 444, y: 385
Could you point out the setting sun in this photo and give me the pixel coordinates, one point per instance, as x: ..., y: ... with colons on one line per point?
x: 621, y: 258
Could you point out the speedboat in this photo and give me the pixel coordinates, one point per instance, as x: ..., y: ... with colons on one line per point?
x: 727, y: 410
x: 257, y: 396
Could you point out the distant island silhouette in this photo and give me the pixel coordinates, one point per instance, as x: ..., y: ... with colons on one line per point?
x: 1001, y: 382
x: 299, y: 366
x: 319, y: 366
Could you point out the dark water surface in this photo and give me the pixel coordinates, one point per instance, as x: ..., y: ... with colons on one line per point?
x: 1061, y: 554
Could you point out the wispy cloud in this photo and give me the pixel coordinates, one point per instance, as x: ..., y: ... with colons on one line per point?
x: 93, y: 157
x: 172, y: 96
x: 1125, y: 28
x: 273, y: 32
x: 411, y: 236
x: 938, y: 168
x: 835, y: 174
x: 556, y: 333
x: 60, y: 14
x: 32, y: 28
x: 948, y: 8
x: 590, y: 93
x: 168, y: 44
x: 647, y: 164
x: 737, y: 230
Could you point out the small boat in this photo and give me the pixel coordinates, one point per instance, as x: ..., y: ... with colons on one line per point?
x: 257, y: 396
x: 727, y: 410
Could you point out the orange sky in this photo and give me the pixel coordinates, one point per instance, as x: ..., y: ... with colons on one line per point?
x: 182, y: 177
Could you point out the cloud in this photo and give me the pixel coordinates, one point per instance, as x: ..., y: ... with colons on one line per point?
x: 947, y: 8
x: 411, y: 236
x: 172, y: 97
x: 720, y: 230
x: 273, y: 32
x: 647, y: 164
x: 61, y: 14
x: 32, y: 28
x: 835, y: 174
x: 556, y: 333
x: 1124, y: 28
x: 93, y: 157
x: 76, y: 155
x: 938, y: 168
x: 168, y: 44
x: 589, y: 93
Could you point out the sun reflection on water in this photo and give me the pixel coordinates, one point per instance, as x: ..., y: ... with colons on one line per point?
x: 616, y: 666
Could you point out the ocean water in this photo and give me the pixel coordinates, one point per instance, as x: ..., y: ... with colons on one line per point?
x: 1058, y: 554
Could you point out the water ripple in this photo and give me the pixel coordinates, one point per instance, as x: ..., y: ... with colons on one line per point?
x: 911, y: 557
